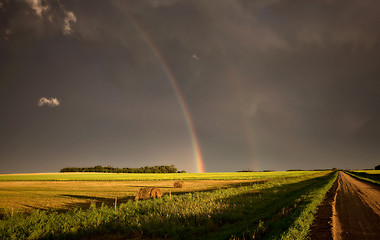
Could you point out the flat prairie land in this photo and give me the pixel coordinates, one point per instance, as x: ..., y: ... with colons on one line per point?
x: 265, y: 205
x: 64, y: 191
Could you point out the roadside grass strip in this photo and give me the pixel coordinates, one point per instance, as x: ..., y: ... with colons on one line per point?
x: 292, y: 216
x: 282, y: 208
x: 304, y: 216
x: 372, y: 176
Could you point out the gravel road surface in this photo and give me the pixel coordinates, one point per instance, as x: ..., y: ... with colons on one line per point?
x: 356, y: 209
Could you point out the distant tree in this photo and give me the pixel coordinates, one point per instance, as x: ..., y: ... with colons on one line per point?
x: 172, y: 169
x: 110, y: 169
x: 377, y: 167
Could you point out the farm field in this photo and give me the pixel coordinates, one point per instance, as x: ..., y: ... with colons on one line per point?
x: 64, y: 191
x: 65, y: 195
x: 367, y: 175
x: 261, y: 205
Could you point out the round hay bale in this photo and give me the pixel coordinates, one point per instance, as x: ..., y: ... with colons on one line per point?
x: 148, y: 192
x: 155, y: 193
x: 178, y: 184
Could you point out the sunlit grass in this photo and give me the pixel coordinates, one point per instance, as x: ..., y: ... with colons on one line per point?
x: 372, y: 176
x: 234, y: 212
x: 368, y: 171
x: 302, y: 223
x: 68, y: 190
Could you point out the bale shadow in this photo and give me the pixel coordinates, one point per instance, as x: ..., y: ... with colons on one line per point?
x: 90, y: 200
x: 35, y: 208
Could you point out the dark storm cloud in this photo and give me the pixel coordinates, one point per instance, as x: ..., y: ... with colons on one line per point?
x: 307, y: 74
x: 270, y: 84
x: 35, y: 18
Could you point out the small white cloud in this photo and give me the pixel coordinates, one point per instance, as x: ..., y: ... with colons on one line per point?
x: 52, y: 102
x: 69, y: 17
x: 36, y: 5
x: 195, y: 57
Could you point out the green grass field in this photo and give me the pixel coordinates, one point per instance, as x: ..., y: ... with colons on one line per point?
x: 272, y: 205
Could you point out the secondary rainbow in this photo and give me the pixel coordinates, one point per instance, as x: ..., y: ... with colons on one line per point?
x: 170, y: 76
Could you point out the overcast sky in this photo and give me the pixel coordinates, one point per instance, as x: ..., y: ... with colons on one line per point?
x: 268, y: 84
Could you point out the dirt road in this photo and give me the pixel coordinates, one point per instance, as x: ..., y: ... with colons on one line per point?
x: 356, y: 212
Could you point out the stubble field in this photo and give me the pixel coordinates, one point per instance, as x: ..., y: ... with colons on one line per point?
x: 66, y: 195
x: 64, y: 191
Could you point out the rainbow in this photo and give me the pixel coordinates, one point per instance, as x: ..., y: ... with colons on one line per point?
x: 173, y: 82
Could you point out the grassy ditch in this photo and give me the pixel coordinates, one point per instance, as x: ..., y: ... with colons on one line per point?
x: 304, y: 216
x: 280, y: 208
x: 292, y: 216
x: 372, y: 176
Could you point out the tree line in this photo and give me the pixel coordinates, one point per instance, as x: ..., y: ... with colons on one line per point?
x: 110, y: 169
